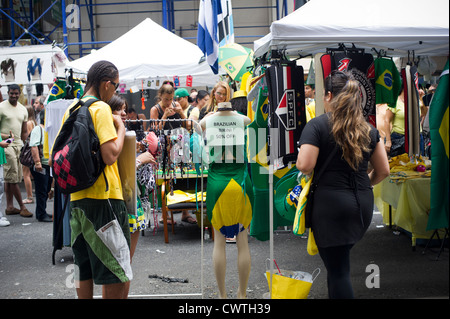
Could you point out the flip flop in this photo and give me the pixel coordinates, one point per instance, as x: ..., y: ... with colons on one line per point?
x: 28, y: 201
x: 189, y: 220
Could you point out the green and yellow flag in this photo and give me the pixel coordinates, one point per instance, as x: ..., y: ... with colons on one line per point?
x: 439, y: 130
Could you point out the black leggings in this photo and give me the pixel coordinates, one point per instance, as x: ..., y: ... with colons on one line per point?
x: 337, y: 262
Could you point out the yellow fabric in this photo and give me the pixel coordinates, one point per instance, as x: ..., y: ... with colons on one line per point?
x: 288, y: 288
x: 311, y: 246
x: 443, y: 131
x: 247, y: 85
x: 180, y: 196
x: 310, y: 110
x: 299, y: 220
x: 404, y: 163
x: 104, y: 127
x: 410, y: 202
x: 403, y: 168
x: 232, y: 196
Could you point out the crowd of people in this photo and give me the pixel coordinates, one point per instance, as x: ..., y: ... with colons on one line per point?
x: 359, y: 161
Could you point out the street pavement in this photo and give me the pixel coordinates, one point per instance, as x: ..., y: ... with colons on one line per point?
x: 383, y: 264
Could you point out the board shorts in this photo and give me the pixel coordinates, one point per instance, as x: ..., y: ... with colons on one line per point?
x: 12, y: 169
x: 100, y: 239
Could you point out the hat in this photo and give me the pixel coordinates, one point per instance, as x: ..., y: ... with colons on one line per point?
x: 182, y: 92
x: 286, y: 195
x: 152, y: 141
x: 240, y: 93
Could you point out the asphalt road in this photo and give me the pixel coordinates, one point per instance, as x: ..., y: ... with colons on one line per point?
x: 27, y: 272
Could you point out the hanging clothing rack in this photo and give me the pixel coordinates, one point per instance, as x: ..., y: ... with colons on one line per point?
x: 197, y: 125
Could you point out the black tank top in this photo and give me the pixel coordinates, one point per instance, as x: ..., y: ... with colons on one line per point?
x: 169, y: 125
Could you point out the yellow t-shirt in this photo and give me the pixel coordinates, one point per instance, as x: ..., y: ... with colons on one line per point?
x: 104, y: 127
x: 398, y: 125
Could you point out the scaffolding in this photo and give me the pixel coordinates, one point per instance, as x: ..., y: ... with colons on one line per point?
x: 22, y: 21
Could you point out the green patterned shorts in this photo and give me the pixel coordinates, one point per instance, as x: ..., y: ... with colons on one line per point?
x: 101, y: 240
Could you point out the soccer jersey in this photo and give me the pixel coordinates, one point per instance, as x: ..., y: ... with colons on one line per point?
x: 387, y: 82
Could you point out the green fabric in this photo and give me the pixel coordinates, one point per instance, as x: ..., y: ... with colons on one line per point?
x: 387, y: 82
x: 59, y: 91
x: 2, y: 154
x: 85, y: 223
x: 257, y: 151
x: 439, y: 129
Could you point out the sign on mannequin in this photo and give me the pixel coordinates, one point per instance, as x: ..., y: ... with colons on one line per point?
x: 225, y: 131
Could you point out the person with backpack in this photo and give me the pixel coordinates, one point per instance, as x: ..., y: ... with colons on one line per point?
x: 99, y: 218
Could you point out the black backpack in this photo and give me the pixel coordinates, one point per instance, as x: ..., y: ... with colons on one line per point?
x: 76, y: 159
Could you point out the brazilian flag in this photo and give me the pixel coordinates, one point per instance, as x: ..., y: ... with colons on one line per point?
x: 387, y: 82
x: 257, y: 153
x: 439, y: 122
x: 59, y: 90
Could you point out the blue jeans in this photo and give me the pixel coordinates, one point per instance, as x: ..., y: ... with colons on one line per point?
x: 42, y: 185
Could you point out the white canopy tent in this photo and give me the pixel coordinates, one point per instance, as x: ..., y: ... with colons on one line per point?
x: 399, y: 27
x: 396, y: 26
x: 149, y: 52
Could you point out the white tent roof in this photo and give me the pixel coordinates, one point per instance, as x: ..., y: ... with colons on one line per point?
x: 393, y: 25
x: 150, y: 52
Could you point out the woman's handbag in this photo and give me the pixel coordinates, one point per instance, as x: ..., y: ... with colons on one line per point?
x: 25, y: 157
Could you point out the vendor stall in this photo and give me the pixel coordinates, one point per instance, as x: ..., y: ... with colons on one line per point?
x: 404, y: 200
x: 323, y: 27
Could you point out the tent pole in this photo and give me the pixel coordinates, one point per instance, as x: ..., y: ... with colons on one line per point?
x: 271, y: 256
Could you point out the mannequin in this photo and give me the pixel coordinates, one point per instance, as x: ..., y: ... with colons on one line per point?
x: 58, y: 64
x: 34, y: 69
x: 8, y: 68
x: 230, y: 192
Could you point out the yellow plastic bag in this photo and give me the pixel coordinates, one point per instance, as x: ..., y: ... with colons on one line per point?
x: 285, y: 287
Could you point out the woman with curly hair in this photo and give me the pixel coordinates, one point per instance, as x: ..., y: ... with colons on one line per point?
x: 343, y: 200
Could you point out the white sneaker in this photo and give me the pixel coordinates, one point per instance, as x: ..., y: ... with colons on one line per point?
x: 4, y: 222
